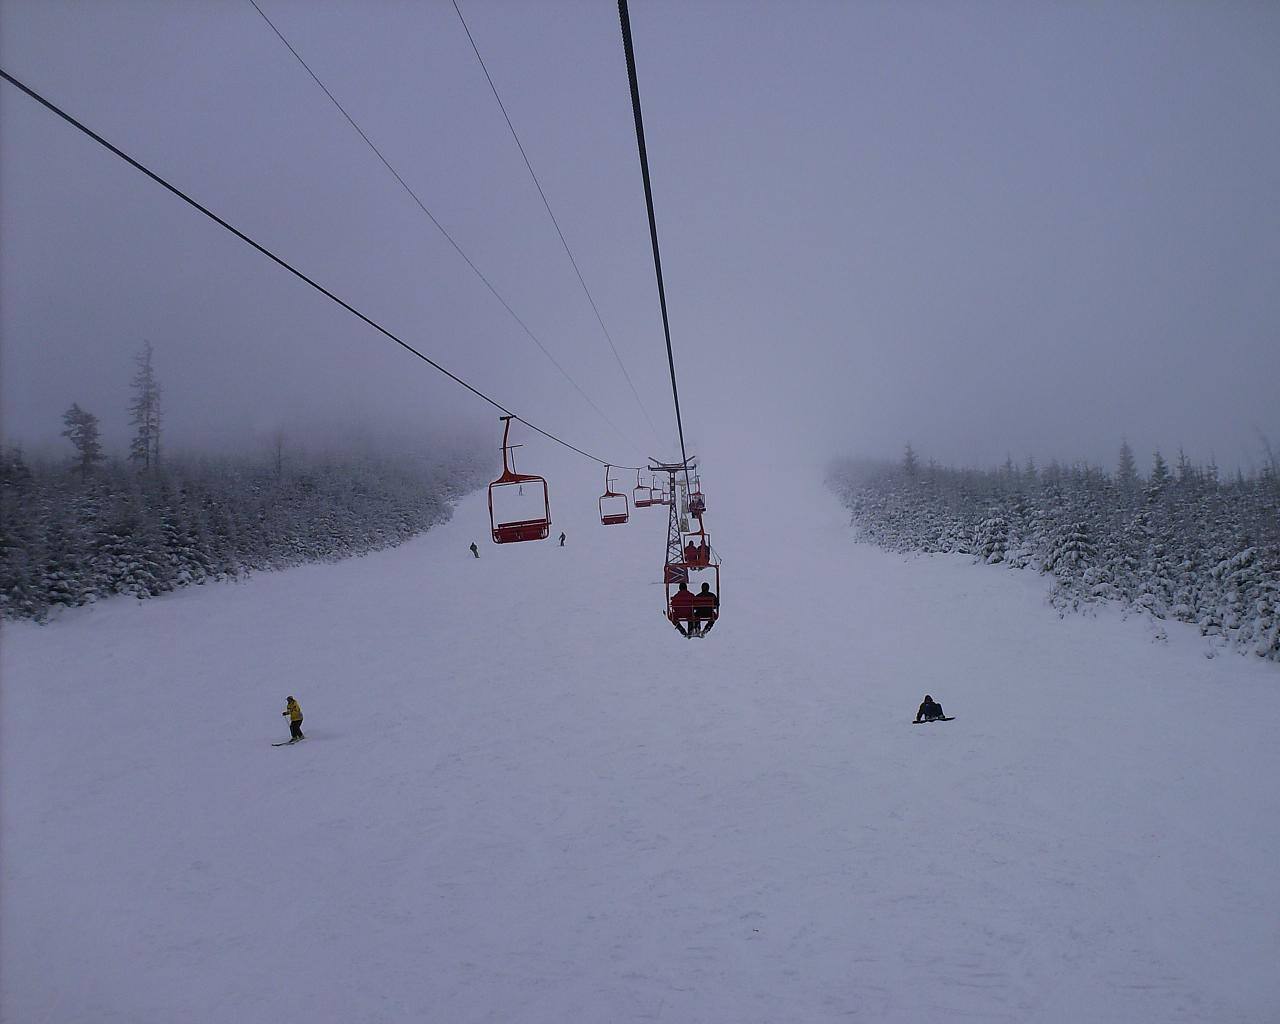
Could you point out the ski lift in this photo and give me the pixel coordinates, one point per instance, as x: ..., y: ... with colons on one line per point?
x: 700, y: 555
x: 655, y: 492
x: 613, y: 505
x: 641, y: 497
x: 697, y: 503
x: 521, y: 516
x: 674, y: 576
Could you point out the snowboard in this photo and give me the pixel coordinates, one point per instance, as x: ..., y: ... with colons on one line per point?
x: 950, y: 718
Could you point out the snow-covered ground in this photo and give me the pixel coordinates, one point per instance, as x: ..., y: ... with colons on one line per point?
x: 525, y: 798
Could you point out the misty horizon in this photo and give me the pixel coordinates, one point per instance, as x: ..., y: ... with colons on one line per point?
x: 989, y: 231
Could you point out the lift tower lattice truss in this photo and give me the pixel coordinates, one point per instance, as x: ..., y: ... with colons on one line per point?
x: 674, y: 569
x: 677, y: 566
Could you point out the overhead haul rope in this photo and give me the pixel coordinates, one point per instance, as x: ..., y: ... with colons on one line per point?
x: 625, y: 18
x: 440, y: 227
x: 48, y: 104
x: 586, y: 291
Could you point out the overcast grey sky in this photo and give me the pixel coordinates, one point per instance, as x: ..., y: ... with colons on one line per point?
x: 983, y: 227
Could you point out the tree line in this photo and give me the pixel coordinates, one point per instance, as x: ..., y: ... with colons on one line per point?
x: 69, y: 540
x: 1179, y: 543
x: 86, y: 527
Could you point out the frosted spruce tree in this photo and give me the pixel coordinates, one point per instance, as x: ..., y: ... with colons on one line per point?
x: 144, y: 411
x: 991, y: 540
x: 1127, y: 471
x: 82, y: 429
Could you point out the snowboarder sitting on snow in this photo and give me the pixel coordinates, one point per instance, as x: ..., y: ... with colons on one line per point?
x: 294, y: 712
x: 705, y: 609
x: 475, y: 550
x: 682, y: 608
x: 930, y: 710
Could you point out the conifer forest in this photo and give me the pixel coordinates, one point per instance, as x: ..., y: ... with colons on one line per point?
x: 1180, y: 543
x: 73, y: 533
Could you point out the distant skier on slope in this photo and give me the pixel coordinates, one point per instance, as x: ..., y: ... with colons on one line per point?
x: 930, y: 711
x: 562, y: 538
x: 475, y: 550
x: 294, y: 711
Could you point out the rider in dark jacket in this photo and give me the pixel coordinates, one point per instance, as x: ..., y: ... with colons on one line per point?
x: 929, y: 711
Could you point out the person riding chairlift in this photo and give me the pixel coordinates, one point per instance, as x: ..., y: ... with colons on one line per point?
x: 704, y: 553
x: 706, y: 608
x: 691, y: 553
x: 682, y: 609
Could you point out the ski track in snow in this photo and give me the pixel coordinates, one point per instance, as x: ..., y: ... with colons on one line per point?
x: 523, y: 797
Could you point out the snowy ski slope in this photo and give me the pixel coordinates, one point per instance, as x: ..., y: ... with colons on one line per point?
x: 525, y: 798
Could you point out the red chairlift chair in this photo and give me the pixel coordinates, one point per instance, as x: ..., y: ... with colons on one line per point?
x: 675, y: 575
x: 702, y: 557
x: 641, y: 497
x: 613, y: 505
x: 697, y: 503
x: 527, y: 528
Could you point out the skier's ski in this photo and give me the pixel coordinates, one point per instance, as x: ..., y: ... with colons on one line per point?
x: 286, y: 743
x: 950, y: 718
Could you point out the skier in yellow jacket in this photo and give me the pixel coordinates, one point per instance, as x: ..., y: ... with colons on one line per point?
x: 294, y: 711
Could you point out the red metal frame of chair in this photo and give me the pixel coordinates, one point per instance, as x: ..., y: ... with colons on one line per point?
x: 697, y: 502
x: 523, y: 529
x: 699, y: 561
x: 702, y: 537
x: 636, y: 499
x: 681, y: 570
x: 613, y: 518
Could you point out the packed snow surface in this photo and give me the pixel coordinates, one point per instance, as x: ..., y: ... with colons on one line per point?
x: 524, y: 797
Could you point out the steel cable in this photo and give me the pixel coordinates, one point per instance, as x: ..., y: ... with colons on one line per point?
x: 50, y: 105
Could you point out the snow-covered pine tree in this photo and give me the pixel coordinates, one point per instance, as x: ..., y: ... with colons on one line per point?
x: 20, y: 540
x: 1071, y: 548
x: 82, y: 429
x: 1127, y: 471
x: 1239, y: 582
x: 991, y: 541
x: 1267, y: 644
x: 910, y: 462
x: 144, y: 411
x: 1159, y: 473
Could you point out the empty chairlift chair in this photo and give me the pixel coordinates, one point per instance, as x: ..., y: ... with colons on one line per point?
x: 614, y: 507
x: 641, y: 497
x: 519, y: 504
